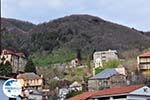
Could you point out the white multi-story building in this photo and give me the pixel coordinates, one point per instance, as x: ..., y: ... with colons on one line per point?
x: 144, y: 62
x: 16, y: 59
x: 104, y: 56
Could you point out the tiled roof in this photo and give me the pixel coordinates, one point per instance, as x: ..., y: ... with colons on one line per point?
x: 146, y: 54
x: 8, y: 51
x: 106, y: 92
x: 82, y: 96
x: 12, y: 52
x: 19, y: 54
x: 105, y: 74
x: 120, y: 90
x: 28, y: 76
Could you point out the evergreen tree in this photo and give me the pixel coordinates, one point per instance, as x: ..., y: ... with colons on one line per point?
x: 5, y: 69
x: 88, y: 62
x: 30, y: 67
x: 79, y: 54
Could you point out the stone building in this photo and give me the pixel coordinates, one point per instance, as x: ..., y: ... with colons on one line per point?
x: 108, y: 78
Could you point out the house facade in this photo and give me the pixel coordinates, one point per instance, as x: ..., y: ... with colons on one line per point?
x: 108, y: 78
x: 143, y: 61
x: 30, y: 81
x: 16, y: 59
x: 101, y: 57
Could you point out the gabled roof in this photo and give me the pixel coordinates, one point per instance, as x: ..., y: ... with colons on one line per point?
x: 106, y: 92
x: 146, y: 54
x: 5, y: 51
x: 82, y: 96
x: 28, y: 76
x: 104, y: 74
x: 116, y: 91
x: 20, y: 54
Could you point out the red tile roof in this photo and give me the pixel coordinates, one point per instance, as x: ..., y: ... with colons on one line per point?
x: 12, y: 52
x: 146, y: 54
x: 8, y: 51
x: 19, y: 54
x: 120, y: 90
x: 105, y: 92
x: 83, y: 96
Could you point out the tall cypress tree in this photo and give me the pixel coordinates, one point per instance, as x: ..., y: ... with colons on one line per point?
x: 30, y: 67
x: 79, y: 54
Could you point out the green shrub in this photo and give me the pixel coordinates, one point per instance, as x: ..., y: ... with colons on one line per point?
x: 109, y: 64
x: 73, y: 93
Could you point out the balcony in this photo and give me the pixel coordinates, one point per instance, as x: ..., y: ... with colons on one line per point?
x: 144, y: 66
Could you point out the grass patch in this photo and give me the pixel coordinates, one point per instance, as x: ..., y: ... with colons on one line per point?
x: 60, y: 55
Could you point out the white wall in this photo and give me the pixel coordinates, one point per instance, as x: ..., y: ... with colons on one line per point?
x: 141, y: 91
x: 129, y: 98
x: 113, y: 99
x: 137, y: 98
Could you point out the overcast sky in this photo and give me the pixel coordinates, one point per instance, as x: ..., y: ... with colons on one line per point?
x: 132, y: 13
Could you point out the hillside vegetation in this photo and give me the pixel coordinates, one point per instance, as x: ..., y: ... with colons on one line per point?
x: 76, y: 32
